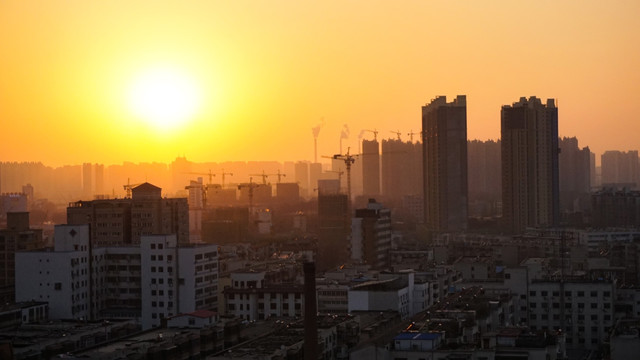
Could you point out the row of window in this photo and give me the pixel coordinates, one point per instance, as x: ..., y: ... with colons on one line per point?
x: 569, y: 293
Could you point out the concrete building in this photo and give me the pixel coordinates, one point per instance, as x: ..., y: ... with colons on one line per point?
x: 315, y: 173
x: 401, y: 168
x: 87, y: 180
x: 125, y: 221
x: 583, y: 309
x: 302, y: 176
x: 371, y: 235
x: 444, y: 127
x: 530, y: 184
x: 197, y: 203
x: 485, y: 191
x: 288, y: 193
x: 152, y: 281
x: 253, y: 297
x: 370, y: 168
x: 182, y: 279
x: 62, y: 277
x: 391, y: 292
x: 333, y: 229
x: 574, y: 175
x: 615, y: 208
x: 18, y: 236
x: 620, y: 168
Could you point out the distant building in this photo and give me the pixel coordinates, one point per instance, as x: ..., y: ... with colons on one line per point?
x: 18, y: 236
x: 302, y: 176
x: 401, y: 168
x: 315, y: 172
x: 333, y: 229
x: 620, y: 167
x: 444, y: 127
x: 485, y: 190
x: 371, y: 235
x: 87, y: 180
x: 574, y: 175
x: 615, y: 208
x: 125, y: 221
x: 530, y: 188
x: 370, y: 168
x: 288, y: 193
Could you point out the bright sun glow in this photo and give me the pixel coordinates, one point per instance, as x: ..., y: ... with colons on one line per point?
x: 164, y: 98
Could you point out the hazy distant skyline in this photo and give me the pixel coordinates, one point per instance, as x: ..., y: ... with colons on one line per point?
x: 267, y: 72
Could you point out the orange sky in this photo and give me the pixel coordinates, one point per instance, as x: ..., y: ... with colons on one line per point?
x: 269, y: 71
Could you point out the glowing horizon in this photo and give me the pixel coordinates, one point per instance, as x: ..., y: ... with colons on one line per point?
x: 265, y: 74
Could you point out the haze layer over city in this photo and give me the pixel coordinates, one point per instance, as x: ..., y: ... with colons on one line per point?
x: 257, y: 76
x: 319, y: 180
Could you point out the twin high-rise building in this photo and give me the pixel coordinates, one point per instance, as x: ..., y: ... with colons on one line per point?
x: 529, y: 158
x: 530, y: 187
x: 444, y: 129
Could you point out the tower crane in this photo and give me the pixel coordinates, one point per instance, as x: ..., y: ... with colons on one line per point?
x: 223, y: 175
x: 375, y: 133
x: 397, y: 133
x: 128, y: 186
x: 411, y: 135
x: 210, y: 174
x: 348, y: 159
x: 265, y: 176
x: 339, y: 172
x: 251, y: 185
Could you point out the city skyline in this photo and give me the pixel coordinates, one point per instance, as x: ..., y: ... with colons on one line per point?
x: 285, y: 68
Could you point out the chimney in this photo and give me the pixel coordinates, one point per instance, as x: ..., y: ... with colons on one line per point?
x: 310, y: 312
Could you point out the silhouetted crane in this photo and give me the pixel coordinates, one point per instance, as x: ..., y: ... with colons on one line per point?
x: 348, y: 161
x: 397, y: 133
x: 210, y: 174
x: 128, y: 186
x: 411, y: 135
x: 265, y: 176
x: 375, y: 133
x: 251, y: 185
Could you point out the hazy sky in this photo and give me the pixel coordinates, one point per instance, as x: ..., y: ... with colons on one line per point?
x: 268, y: 71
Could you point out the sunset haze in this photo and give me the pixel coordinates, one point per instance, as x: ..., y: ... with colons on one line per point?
x: 267, y: 72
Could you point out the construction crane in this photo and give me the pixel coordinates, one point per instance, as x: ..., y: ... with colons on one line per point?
x: 397, y: 133
x: 204, y: 193
x: 128, y: 186
x: 210, y: 174
x: 348, y: 159
x: 411, y: 135
x: 251, y: 185
x: 265, y: 176
x: 375, y: 133
x: 339, y: 172
x: 223, y: 175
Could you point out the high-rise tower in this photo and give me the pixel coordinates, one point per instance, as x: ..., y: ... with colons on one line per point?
x: 370, y: 167
x: 530, y: 185
x: 444, y: 129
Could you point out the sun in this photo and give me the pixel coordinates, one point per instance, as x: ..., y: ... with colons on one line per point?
x: 165, y: 98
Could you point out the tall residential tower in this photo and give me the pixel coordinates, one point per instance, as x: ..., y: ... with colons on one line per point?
x: 444, y: 129
x: 530, y: 185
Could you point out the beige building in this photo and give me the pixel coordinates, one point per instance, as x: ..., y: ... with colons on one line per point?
x: 124, y: 221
